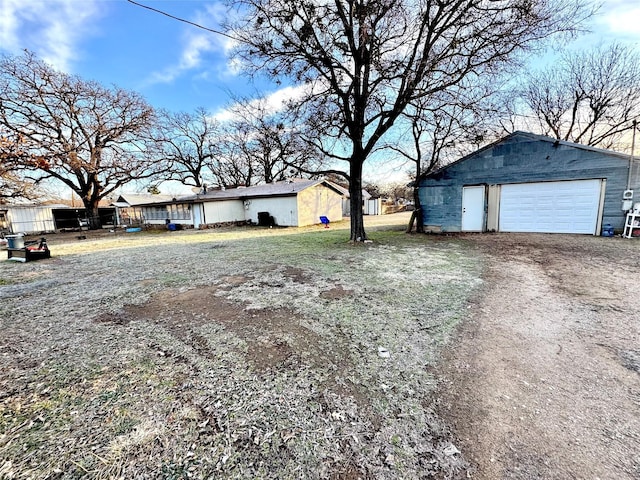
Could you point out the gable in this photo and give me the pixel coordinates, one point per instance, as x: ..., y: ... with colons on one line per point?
x: 135, y: 199
x: 524, y: 157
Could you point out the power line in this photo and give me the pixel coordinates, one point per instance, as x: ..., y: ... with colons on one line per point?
x: 182, y: 20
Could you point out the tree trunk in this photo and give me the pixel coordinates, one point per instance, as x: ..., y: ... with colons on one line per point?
x: 355, y: 201
x: 411, y: 220
x: 418, y: 209
x: 417, y: 216
x: 93, y: 215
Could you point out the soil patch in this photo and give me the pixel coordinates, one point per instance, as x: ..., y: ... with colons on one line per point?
x: 336, y: 293
x: 272, y: 336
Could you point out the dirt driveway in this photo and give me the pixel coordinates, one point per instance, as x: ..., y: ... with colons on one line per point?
x: 543, y: 381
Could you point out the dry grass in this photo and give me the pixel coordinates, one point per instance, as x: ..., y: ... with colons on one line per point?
x: 243, y: 353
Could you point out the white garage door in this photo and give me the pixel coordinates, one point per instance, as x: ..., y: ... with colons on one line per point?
x: 550, y: 207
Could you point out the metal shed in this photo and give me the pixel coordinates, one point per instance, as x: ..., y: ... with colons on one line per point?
x: 29, y: 219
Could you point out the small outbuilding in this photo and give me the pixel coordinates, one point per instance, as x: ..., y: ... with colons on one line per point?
x: 531, y: 183
x: 38, y: 219
x: 28, y: 218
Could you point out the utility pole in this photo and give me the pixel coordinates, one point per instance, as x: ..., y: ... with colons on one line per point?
x: 631, y: 158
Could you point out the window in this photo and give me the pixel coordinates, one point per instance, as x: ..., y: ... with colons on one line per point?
x: 155, y: 213
x: 179, y: 211
x: 435, y: 195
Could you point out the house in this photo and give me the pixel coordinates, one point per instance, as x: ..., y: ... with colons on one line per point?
x: 531, y: 183
x: 291, y: 203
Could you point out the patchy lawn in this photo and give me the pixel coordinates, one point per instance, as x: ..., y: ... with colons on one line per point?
x: 239, y: 353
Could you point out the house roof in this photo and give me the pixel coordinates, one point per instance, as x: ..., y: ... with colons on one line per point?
x: 531, y: 136
x: 277, y: 189
x: 345, y: 191
x: 15, y: 206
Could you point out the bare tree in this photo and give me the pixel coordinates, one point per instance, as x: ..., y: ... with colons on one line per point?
x: 187, y: 142
x: 77, y: 132
x: 263, y: 139
x: 13, y: 185
x: 442, y: 128
x: 588, y: 97
x: 396, y: 192
x: 362, y: 62
x: 234, y: 163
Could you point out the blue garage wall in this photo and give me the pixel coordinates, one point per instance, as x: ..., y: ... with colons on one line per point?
x: 518, y: 158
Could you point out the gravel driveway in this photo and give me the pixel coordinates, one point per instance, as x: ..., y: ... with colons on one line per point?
x: 543, y: 381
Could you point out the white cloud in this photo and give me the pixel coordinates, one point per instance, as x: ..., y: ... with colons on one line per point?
x: 52, y: 29
x: 276, y: 100
x: 271, y: 103
x: 621, y: 18
x: 197, y: 44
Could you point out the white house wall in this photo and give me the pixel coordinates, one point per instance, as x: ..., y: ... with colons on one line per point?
x: 223, y: 211
x: 284, y: 210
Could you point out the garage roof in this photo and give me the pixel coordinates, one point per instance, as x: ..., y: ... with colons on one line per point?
x: 276, y: 189
x: 531, y: 136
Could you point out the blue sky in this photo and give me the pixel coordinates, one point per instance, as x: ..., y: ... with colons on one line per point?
x: 172, y: 64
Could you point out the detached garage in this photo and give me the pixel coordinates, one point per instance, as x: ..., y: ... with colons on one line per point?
x: 530, y: 183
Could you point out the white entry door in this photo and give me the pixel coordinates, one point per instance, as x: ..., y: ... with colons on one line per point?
x: 473, y: 209
x: 197, y: 215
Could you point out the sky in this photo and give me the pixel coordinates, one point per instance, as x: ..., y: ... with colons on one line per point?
x: 175, y: 65
x: 172, y: 64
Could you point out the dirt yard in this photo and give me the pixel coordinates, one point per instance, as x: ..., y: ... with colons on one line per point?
x: 288, y: 353
x: 543, y: 381
x: 237, y: 353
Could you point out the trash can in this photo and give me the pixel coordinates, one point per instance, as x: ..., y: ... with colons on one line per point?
x: 264, y: 219
x: 15, y: 241
x: 607, y: 230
